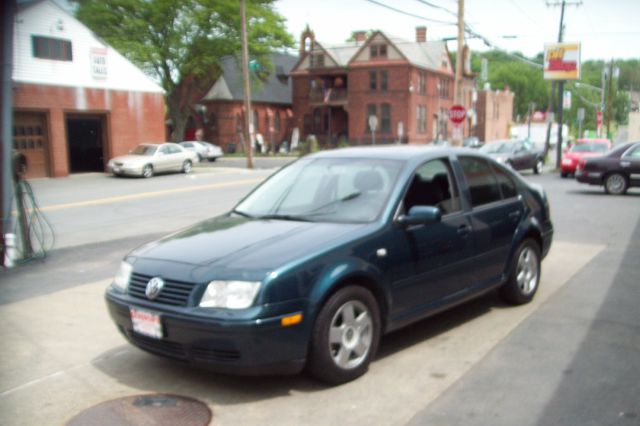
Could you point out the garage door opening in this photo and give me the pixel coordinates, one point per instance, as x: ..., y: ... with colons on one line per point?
x: 85, y: 139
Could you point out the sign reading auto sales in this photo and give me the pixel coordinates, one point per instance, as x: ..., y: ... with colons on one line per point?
x: 562, y: 61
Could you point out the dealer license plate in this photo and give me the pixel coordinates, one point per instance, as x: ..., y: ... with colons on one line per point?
x: 146, y: 323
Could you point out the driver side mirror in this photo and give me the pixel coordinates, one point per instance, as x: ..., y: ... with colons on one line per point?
x: 420, y: 215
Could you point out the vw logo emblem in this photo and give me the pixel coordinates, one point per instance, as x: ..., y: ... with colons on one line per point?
x: 154, y: 287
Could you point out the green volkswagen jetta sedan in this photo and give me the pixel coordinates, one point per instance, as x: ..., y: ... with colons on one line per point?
x: 322, y: 259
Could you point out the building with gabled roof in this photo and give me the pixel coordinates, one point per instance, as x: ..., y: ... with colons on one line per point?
x: 406, y: 85
x: 222, y: 115
x: 77, y: 101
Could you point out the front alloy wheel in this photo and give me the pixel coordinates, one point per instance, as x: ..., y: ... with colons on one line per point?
x: 187, y: 166
x: 147, y: 171
x: 615, y: 184
x: 345, y: 336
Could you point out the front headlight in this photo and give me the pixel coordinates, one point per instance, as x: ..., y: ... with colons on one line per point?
x: 230, y: 294
x: 121, y: 281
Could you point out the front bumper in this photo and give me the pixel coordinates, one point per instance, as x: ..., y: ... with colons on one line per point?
x: 125, y: 170
x: 235, y: 346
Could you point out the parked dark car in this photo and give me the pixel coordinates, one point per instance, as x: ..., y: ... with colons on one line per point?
x: 617, y: 170
x: 331, y: 253
x: 517, y: 154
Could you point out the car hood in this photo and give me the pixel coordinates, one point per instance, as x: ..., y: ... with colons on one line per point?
x: 579, y: 155
x: 240, y: 243
x: 129, y: 159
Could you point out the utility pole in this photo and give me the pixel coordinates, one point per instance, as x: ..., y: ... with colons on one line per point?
x: 560, y: 84
x: 457, y: 89
x: 609, y: 100
x: 248, y: 115
x: 6, y: 138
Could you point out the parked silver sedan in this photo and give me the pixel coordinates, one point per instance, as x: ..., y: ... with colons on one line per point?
x: 148, y: 159
x: 204, y: 150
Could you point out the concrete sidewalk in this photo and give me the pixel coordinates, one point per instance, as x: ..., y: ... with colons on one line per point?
x: 61, y: 354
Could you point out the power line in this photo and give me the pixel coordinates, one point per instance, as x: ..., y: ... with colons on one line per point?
x: 435, y: 6
x: 410, y: 14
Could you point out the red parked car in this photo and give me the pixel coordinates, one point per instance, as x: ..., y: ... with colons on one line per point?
x: 583, y: 148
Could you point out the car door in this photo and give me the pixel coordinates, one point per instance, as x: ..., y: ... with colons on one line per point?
x: 496, y: 212
x: 432, y: 262
x: 163, y: 159
x: 630, y: 163
x: 521, y: 156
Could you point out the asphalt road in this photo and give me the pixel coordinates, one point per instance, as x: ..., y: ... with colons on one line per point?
x: 571, y: 357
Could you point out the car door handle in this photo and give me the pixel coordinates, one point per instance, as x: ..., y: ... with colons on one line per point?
x: 464, y: 230
x: 625, y: 163
x: 515, y: 215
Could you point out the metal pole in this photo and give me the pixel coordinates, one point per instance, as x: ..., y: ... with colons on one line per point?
x: 560, y: 95
x: 609, y: 99
x: 7, y: 122
x: 459, y: 64
x: 248, y: 116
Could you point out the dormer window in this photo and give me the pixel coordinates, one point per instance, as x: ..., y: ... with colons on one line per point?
x: 378, y: 50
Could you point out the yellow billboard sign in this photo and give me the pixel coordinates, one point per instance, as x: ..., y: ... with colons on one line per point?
x: 562, y: 61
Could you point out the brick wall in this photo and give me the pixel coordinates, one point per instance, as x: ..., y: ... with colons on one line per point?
x: 129, y: 118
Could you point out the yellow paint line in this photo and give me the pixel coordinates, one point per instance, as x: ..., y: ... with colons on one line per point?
x: 147, y: 195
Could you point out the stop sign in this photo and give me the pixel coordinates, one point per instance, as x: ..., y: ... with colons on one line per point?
x: 457, y: 114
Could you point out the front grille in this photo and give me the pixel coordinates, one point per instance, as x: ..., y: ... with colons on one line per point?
x: 206, y: 353
x: 161, y: 347
x: 203, y: 353
x: 175, y: 293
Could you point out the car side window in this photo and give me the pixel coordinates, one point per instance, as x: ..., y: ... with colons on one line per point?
x: 164, y: 150
x: 483, y: 185
x: 433, y: 185
x: 187, y: 145
x: 634, y: 153
x: 507, y: 185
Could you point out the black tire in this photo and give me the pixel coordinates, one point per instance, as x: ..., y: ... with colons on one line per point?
x: 199, y: 158
x: 564, y: 174
x: 147, y: 171
x: 187, y: 166
x: 211, y: 160
x: 524, y: 274
x: 616, y: 184
x: 538, y: 166
x: 353, y: 314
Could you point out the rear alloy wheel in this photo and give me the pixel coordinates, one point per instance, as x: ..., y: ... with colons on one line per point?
x: 147, y: 171
x: 524, y: 275
x: 345, y: 336
x: 537, y: 168
x: 615, y: 184
x: 187, y: 166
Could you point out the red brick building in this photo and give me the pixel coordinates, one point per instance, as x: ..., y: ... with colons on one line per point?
x: 495, y: 113
x: 77, y: 102
x: 407, y: 85
x: 222, y: 108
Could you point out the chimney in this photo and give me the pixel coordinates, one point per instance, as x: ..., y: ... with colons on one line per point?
x: 360, y: 36
x: 421, y: 34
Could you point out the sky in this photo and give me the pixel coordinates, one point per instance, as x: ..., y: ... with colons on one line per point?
x: 606, y: 28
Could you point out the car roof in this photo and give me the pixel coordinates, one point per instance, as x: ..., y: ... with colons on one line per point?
x: 595, y: 140
x: 392, y: 152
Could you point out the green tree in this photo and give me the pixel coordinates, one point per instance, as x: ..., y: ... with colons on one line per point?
x: 180, y: 42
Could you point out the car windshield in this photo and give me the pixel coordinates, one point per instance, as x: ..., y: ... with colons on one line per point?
x: 589, y: 147
x: 498, y: 148
x: 324, y: 190
x: 145, y: 150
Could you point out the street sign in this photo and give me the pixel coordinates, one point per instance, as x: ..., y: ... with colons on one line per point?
x: 373, y: 122
x: 580, y: 114
x: 400, y: 130
x: 457, y: 114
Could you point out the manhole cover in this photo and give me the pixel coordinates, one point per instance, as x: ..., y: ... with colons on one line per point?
x: 145, y: 410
